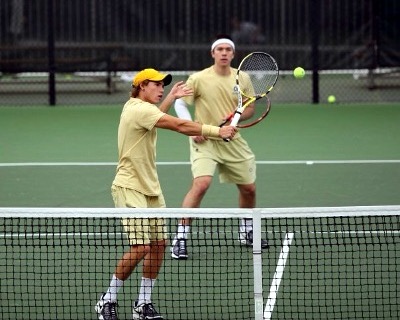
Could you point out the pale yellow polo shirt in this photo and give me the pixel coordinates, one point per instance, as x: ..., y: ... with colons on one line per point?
x: 214, y: 97
x: 137, y: 138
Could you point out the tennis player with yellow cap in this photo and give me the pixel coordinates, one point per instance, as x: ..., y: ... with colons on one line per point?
x: 136, y: 184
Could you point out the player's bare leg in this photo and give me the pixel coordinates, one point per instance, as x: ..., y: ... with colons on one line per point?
x: 247, y: 195
x: 192, y: 199
x: 106, y: 307
x: 143, y: 307
x: 247, y: 199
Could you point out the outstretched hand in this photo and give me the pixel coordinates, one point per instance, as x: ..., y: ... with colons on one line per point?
x: 180, y: 89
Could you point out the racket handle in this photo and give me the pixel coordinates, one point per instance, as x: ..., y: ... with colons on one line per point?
x: 235, y: 119
x: 234, y: 122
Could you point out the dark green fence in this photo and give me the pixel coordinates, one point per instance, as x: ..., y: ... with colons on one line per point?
x: 107, y: 37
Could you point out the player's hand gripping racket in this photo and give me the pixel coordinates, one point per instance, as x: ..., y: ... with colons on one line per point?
x: 255, y: 78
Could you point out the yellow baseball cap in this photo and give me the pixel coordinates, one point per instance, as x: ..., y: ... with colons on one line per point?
x: 152, y: 75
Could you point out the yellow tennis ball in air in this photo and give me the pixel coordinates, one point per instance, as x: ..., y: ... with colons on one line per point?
x: 331, y: 99
x: 299, y: 73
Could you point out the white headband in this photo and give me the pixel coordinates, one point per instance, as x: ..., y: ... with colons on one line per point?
x: 220, y: 41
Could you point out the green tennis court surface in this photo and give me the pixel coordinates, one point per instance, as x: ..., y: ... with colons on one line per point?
x: 65, y: 156
x: 341, y: 155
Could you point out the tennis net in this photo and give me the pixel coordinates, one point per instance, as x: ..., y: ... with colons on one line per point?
x: 330, y: 262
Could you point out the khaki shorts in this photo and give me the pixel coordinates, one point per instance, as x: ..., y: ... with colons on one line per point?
x: 235, y: 160
x: 140, y: 231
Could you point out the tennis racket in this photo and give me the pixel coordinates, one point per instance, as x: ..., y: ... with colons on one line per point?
x: 255, y: 78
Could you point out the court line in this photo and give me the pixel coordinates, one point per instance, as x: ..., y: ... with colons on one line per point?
x: 280, y: 267
x: 172, y: 163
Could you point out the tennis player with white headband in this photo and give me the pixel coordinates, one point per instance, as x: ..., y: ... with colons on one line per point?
x: 214, y: 100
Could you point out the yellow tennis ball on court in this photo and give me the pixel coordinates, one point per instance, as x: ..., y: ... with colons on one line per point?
x: 331, y: 99
x: 299, y: 73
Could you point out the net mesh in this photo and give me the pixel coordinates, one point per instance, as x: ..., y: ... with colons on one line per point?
x: 336, y: 263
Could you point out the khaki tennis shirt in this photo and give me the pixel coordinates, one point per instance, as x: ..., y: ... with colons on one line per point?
x: 214, y: 97
x: 137, y: 137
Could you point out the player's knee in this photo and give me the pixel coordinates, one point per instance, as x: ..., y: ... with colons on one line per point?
x: 141, y: 249
x: 201, y: 185
x: 159, y: 244
x: 248, y: 190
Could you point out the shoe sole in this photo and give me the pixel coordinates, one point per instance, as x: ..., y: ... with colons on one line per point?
x: 265, y: 246
x: 180, y: 257
x: 138, y: 316
x: 98, y: 310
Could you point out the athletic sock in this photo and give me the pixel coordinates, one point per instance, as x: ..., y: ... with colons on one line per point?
x: 183, y: 232
x: 246, y: 225
x: 112, y: 291
x: 146, y: 287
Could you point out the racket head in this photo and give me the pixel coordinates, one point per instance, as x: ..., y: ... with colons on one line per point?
x: 257, y: 74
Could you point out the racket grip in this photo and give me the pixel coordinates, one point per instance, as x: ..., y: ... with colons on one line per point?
x: 235, y: 119
x: 234, y: 122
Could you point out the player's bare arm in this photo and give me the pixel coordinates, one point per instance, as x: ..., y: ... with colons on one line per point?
x: 191, y: 128
x: 179, y: 90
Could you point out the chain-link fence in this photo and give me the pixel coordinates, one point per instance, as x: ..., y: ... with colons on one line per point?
x: 78, y: 51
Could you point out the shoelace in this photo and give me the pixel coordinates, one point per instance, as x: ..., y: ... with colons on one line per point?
x: 182, y: 245
x: 249, y: 236
x: 111, y: 311
x: 150, y: 309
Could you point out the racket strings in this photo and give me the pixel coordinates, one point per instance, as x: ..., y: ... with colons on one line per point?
x: 262, y: 71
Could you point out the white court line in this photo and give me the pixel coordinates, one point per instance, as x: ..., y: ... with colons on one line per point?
x: 173, y: 163
x: 273, y: 292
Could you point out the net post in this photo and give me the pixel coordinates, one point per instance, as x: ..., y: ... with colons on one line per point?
x: 257, y: 266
